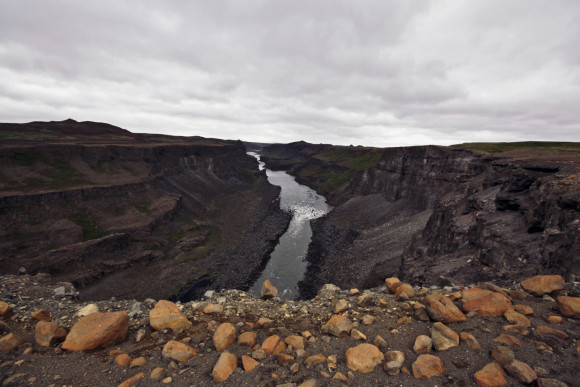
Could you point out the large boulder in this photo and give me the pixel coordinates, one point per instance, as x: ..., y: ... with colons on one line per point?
x: 269, y: 290
x: 443, y: 337
x: 485, y: 302
x: 543, y: 284
x: 427, y: 366
x: 441, y: 308
x: 48, y: 332
x: 224, y: 336
x: 363, y: 358
x: 338, y: 326
x: 10, y: 341
x: 225, y: 366
x: 178, y: 351
x: 167, y: 315
x: 97, y: 330
x: 569, y: 306
x: 490, y: 375
x: 392, y: 283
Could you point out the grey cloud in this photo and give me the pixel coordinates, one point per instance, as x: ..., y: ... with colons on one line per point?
x: 370, y: 72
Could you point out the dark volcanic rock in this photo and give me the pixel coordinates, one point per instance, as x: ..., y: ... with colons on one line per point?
x: 438, y: 214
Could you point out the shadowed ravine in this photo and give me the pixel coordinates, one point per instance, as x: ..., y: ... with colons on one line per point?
x: 287, y: 264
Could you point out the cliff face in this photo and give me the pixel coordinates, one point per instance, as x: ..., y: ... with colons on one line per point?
x: 134, y: 215
x: 430, y: 212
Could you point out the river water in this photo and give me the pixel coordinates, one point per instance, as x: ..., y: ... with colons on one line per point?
x: 287, y: 264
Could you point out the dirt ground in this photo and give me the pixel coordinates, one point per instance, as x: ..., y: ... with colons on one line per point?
x: 33, y: 365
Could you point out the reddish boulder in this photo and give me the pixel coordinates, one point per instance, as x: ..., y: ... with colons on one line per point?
x: 490, y: 375
x: 485, y: 302
x: 97, y: 330
x: 167, y: 315
x: 441, y: 308
x: 569, y: 306
x: 428, y: 366
x: 178, y: 351
x: 225, y: 366
x: 47, y: 333
x: 543, y: 284
x: 363, y: 358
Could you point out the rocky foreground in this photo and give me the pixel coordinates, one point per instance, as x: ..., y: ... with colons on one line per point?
x: 393, y: 335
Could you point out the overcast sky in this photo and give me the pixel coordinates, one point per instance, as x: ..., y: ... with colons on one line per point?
x: 380, y: 73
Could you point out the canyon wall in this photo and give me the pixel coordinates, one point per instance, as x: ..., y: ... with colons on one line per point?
x: 146, y: 217
x: 437, y: 214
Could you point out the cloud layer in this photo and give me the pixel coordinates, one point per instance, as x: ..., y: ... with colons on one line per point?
x: 382, y: 73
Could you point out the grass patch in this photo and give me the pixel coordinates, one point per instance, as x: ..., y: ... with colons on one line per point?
x: 143, y: 208
x: 211, y: 242
x: 497, y: 147
x: 91, y: 229
x: 27, y: 159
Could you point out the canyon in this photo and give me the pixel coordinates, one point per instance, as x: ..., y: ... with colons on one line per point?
x: 99, y: 227
x: 439, y: 215
x: 133, y: 215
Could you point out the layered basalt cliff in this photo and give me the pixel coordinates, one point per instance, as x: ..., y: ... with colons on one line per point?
x: 121, y: 214
x: 437, y: 213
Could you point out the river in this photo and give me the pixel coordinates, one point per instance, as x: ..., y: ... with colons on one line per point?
x: 287, y: 264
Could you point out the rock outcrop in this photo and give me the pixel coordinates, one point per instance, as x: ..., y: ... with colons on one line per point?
x: 445, y: 214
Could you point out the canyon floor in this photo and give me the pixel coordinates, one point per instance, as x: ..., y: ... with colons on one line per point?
x: 397, y: 320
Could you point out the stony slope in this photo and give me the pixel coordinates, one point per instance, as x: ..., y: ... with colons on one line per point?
x: 533, y: 329
x: 430, y: 212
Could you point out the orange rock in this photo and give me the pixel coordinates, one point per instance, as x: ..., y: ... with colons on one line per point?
x: 97, y: 330
x: 338, y: 326
x: 503, y: 355
x: 392, y: 284
x: 508, y: 340
x: 297, y: 342
x: 213, y: 309
x: 47, y: 333
x: 264, y: 322
x: 404, y: 289
x: 129, y: 382
x: 441, y: 308
x: 269, y: 345
x: 490, y: 375
x: 5, y: 310
x: 470, y: 340
x: 485, y: 302
x: 157, y: 373
x: 569, y: 306
x: 554, y: 319
x: 123, y: 360
x: 269, y: 290
x: 224, y: 336
x: 547, y: 331
x: 363, y: 358
x: 281, y: 346
x: 139, y: 362
x: 178, y: 351
x: 578, y: 346
x: 524, y: 309
x: 284, y: 358
x: 247, y: 339
x: 543, y: 284
x: 225, y: 366
x: 315, y: 359
x: 248, y: 363
x: 423, y: 344
x: 443, y: 337
x: 40, y: 315
x: 427, y: 366
x: 520, y: 323
x: 10, y: 341
x: 166, y: 315
x: 521, y: 371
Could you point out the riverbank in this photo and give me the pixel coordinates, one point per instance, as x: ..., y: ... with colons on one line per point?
x: 376, y: 317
